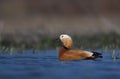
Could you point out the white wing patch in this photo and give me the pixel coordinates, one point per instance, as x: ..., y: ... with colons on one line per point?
x: 90, y: 53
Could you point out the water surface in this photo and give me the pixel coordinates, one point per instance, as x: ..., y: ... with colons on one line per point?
x: 45, y: 65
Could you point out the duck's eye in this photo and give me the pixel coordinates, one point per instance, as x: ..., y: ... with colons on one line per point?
x: 62, y: 36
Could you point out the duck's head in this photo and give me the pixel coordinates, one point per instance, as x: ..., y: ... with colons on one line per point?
x: 66, y: 40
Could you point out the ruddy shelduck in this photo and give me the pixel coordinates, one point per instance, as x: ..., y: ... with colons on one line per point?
x: 65, y: 52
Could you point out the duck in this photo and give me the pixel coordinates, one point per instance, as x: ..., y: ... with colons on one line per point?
x: 67, y: 53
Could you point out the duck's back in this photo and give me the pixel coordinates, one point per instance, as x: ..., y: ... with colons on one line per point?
x: 74, y: 55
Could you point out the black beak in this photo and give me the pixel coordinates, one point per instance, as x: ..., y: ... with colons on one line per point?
x: 58, y: 39
x: 59, y: 43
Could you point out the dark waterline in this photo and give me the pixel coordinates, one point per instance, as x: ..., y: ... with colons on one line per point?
x: 45, y: 65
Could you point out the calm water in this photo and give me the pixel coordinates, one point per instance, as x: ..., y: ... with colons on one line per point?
x: 45, y: 65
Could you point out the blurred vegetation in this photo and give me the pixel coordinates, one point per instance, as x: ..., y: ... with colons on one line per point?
x: 97, y: 41
x: 41, y: 43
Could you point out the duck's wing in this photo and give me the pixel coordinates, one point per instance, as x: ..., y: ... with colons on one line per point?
x: 78, y: 55
x: 85, y: 54
x: 73, y: 55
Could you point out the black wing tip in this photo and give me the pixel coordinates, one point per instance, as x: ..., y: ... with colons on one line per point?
x: 97, y: 54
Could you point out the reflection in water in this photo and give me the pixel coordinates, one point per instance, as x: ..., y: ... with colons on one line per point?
x: 45, y: 65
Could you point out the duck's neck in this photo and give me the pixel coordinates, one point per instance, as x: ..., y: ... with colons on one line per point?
x: 63, y: 50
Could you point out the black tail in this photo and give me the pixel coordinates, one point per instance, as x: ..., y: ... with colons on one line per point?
x: 97, y: 55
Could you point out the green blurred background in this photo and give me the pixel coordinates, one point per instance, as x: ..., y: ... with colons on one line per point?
x: 35, y: 23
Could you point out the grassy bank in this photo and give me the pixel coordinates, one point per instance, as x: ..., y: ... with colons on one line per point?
x: 105, y: 41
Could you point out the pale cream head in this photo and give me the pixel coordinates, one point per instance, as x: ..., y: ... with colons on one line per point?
x: 66, y: 40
